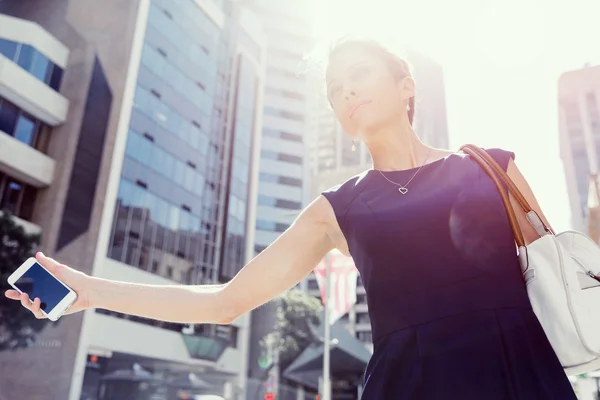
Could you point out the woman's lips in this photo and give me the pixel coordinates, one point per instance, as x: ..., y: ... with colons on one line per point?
x: 357, y: 106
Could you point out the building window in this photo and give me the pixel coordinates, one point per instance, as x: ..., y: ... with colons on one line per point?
x: 286, y: 180
x: 282, y: 180
x: 289, y: 158
x: 273, y: 155
x: 361, y: 299
x: 34, y: 62
x: 366, y: 337
x: 8, y: 117
x: 8, y: 48
x: 284, y: 114
x: 264, y: 177
x: 265, y: 225
x: 150, y: 231
x: 313, y: 284
x: 259, y: 249
x: 16, y: 197
x: 279, y: 227
x: 279, y: 203
x: 282, y: 72
x: 271, y: 226
x: 287, y: 204
x: 266, y: 201
x: 143, y: 149
x: 363, y: 319
x: 284, y: 93
x: 292, y: 137
x: 22, y: 126
x: 269, y: 154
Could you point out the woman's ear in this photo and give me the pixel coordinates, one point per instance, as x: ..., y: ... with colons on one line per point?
x: 407, y: 88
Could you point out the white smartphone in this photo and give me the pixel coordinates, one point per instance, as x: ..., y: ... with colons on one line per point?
x: 35, y: 280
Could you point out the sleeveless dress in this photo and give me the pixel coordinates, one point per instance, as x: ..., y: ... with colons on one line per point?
x: 447, y: 302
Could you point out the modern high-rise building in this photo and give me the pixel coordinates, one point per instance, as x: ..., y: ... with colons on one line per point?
x: 284, y: 174
x: 579, y: 126
x: 129, y: 136
x: 333, y: 161
x: 283, y: 181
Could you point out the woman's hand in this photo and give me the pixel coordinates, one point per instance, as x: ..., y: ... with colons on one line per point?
x: 78, y: 281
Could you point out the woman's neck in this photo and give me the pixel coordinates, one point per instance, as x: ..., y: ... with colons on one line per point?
x: 397, y: 147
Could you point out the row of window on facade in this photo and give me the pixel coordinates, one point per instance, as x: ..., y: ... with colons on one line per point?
x: 190, y: 131
x: 276, y: 134
x: 143, y: 219
x: 32, y: 61
x: 23, y: 126
x: 16, y: 197
x: 579, y: 146
x: 284, y: 114
x: 187, y: 28
x: 197, y: 92
x: 144, y: 150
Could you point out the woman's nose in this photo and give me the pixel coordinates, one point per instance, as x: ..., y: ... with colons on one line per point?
x: 350, y: 95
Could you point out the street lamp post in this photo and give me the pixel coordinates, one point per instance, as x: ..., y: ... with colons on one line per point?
x: 327, y: 336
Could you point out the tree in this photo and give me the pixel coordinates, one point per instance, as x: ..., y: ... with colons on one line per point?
x: 18, y: 328
x: 296, y: 316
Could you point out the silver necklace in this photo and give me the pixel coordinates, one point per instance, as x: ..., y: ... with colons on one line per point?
x: 403, y: 188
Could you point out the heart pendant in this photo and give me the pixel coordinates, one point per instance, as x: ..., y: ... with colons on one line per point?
x: 402, y: 190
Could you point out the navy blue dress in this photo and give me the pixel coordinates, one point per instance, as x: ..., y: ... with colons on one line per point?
x: 448, y: 306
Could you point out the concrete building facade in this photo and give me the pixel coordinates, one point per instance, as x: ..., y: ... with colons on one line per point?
x: 579, y: 135
x: 130, y: 139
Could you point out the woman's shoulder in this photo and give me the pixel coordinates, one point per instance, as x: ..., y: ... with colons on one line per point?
x: 501, y: 155
x: 343, y: 194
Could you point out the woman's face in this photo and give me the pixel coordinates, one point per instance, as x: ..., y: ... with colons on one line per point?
x: 363, y: 92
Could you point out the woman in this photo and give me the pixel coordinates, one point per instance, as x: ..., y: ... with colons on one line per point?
x: 428, y: 233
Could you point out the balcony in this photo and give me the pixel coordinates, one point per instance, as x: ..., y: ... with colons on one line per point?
x: 363, y: 327
x: 30, y: 94
x: 29, y: 227
x: 361, y: 308
x: 25, y: 163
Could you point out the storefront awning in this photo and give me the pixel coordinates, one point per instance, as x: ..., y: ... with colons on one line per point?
x: 349, y: 357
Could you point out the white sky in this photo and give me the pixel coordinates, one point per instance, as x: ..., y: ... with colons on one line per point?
x: 501, y: 61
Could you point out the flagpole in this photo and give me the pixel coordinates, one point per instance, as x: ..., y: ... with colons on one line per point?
x: 327, y: 333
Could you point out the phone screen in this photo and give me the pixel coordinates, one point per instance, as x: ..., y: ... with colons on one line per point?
x: 37, y: 282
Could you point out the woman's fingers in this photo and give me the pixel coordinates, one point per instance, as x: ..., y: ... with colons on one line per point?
x: 36, y: 310
x: 47, y: 262
x: 33, y: 306
x: 13, y: 294
x: 25, y: 301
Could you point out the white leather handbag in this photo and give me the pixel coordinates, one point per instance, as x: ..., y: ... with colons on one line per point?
x: 562, y: 276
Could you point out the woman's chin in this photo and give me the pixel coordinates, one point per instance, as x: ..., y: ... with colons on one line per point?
x: 368, y: 125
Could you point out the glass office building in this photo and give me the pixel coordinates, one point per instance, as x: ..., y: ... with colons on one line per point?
x: 166, y: 216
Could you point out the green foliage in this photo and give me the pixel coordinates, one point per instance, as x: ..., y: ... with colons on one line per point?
x: 18, y: 327
x: 297, y: 314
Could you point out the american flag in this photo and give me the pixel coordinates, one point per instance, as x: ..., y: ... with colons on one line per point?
x: 342, y: 283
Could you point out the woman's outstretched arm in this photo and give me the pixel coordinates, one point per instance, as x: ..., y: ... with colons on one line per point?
x: 279, y: 267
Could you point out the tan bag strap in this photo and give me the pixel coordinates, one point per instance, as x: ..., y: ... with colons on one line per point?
x: 514, y: 190
x: 498, y: 177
